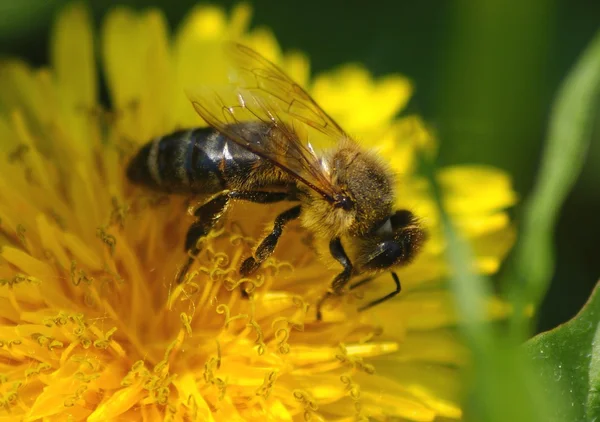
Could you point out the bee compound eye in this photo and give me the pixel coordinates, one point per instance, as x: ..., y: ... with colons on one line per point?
x: 401, y: 218
x: 343, y: 202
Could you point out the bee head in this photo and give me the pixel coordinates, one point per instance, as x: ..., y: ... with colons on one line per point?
x: 395, y: 241
x: 367, y: 186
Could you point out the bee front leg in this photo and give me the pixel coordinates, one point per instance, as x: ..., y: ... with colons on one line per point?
x: 390, y: 295
x: 267, y: 246
x: 384, y: 298
x: 342, y: 279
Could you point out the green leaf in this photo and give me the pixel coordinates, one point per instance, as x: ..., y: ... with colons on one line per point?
x: 568, y: 357
x: 504, y: 388
x: 572, y: 120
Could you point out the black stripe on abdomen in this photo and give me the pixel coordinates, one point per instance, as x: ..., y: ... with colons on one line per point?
x: 184, y: 162
x: 203, y: 163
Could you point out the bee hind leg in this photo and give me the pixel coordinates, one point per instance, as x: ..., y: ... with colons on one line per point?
x: 209, y: 213
x: 267, y: 246
x: 207, y: 216
x: 342, y: 279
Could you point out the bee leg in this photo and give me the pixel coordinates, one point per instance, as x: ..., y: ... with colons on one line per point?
x: 382, y: 299
x: 361, y: 282
x: 341, y: 280
x: 209, y: 213
x: 207, y: 216
x: 267, y: 246
x: 261, y: 197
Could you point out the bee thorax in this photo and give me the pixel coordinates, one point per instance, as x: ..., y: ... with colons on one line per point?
x: 368, y: 183
x: 325, y: 221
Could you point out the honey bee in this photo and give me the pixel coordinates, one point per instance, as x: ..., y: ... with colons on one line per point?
x: 268, y: 142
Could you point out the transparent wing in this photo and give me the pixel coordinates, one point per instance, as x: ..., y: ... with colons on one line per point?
x: 266, y: 112
x: 255, y: 73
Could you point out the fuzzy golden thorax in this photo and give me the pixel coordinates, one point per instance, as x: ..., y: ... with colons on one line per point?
x: 366, y: 180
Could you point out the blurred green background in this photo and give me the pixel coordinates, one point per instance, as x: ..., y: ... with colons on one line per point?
x: 485, y: 71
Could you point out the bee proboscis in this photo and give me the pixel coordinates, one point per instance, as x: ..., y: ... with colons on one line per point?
x: 268, y: 142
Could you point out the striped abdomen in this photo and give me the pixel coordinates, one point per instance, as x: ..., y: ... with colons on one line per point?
x: 192, y: 161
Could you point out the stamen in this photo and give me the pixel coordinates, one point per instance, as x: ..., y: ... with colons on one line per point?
x: 20, y: 232
x: 282, y: 335
x: 119, y: 213
x: 354, y: 362
x: 43, y: 366
x: 108, y: 239
x: 209, y: 373
x: 259, y: 337
x: 191, y: 403
x: 224, y: 309
x: 310, y: 406
x: 72, y: 400
x: 186, y: 321
x: 84, y: 361
x: 77, y: 276
x: 267, y: 386
x: 86, y: 378
x: 105, y: 342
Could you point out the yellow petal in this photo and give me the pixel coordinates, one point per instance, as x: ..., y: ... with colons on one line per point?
x: 404, y: 140
x: 20, y: 91
x: 188, y: 388
x: 206, y: 22
x: 25, y: 262
x: 443, y: 347
x: 263, y: 41
x: 73, y: 57
x: 436, y: 386
x: 74, y: 68
x: 143, y: 91
x: 118, y: 403
x: 491, y: 248
x: 199, y: 58
x: 381, y: 402
x: 473, y: 189
x: 297, y: 66
x: 240, y: 20
x: 52, y: 400
x: 358, y: 102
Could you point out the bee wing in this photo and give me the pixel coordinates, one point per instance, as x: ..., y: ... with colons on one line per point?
x: 261, y: 92
x: 253, y: 72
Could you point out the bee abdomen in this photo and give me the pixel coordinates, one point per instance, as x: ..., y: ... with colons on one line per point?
x: 189, y: 161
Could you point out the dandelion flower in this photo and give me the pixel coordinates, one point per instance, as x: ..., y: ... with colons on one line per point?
x: 92, y: 325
